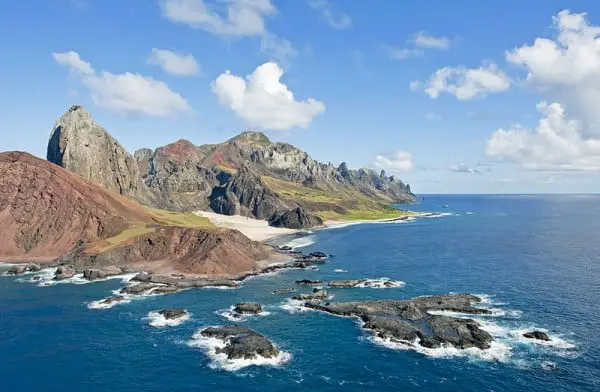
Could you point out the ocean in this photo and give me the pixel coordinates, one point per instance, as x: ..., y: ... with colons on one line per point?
x: 534, y: 259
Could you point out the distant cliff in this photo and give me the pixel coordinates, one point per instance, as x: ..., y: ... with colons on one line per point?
x: 247, y: 175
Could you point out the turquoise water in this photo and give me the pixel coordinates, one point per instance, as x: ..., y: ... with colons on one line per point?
x: 535, y: 256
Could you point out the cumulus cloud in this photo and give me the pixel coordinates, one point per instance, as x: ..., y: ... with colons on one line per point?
x: 464, y: 168
x: 400, y: 161
x: 335, y: 19
x: 231, y: 18
x: 467, y: 83
x: 426, y: 41
x: 567, y: 68
x: 556, y: 144
x: 173, y: 62
x: 263, y: 101
x: 126, y: 92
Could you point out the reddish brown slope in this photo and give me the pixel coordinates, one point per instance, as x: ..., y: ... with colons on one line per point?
x: 46, y: 211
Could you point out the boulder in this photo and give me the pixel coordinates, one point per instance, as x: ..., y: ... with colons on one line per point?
x: 248, y: 308
x: 315, y: 295
x: 16, y: 270
x: 142, y: 277
x: 539, y: 335
x: 171, y: 314
x: 140, y: 288
x: 64, y: 272
x: 114, y: 298
x: 284, y: 291
x: 298, y: 218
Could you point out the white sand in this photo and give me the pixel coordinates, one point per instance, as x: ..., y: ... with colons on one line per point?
x: 255, y: 229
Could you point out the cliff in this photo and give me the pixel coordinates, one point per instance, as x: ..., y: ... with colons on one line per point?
x: 48, y: 213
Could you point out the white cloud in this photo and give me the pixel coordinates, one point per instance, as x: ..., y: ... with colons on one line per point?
x: 567, y: 68
x: 465, y: 83
x: 126, y: 92
x: 464, y: 168
x: 556, y: 144
x: 263, y: 102
x: 398, y: 161
x: 335, y: 19
x: 174, y: 63
x: 230, y: 17
x: 414, y: 85
x: 278, y: 48
x: 426, y: 41
x: 402, y: 53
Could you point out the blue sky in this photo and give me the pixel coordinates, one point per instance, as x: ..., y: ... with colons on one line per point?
x: 449, y: 98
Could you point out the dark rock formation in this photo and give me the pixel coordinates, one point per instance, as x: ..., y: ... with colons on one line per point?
x: 408, y: 321
x: 78, y: 144
x: 316, y: 295
x: 137, y: 289
x: 284, y: 291
x: 171, y: 314
x: 22, y: 268
x: 298, y: 218
x: 308, y: 282
x: 345, y: 283
x: 64, y: 272
x: 539, y: 335
x: 113, y: 299
x: 241, y: 342
x: 101, y: 273
x: 248, y: 308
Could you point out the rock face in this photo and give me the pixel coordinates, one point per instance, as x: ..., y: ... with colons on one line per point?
x: 78, y: 144
x: 241, y: 342
x: 298, y: 218
x: 408, y: 321
x: 247, y: 175
x: 248, y: 308
x: 64, y: 272
x: 48, y: 213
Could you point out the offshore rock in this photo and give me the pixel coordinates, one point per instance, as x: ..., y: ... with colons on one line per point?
x: 241, y: 342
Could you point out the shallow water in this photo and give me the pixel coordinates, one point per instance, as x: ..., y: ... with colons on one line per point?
x: 535, y: 257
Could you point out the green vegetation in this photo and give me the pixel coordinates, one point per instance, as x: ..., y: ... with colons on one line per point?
x: 129, y: 233
x: 358, y: 206
x: 359, y: 215
x: 182, y: 219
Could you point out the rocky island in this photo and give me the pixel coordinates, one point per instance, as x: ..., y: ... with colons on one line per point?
x: 409, y: 321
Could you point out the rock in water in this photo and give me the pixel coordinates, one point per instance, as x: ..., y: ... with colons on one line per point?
x: 315, y: 295
x: 539, y: 335
x: 64, y: 272
x: 171, y: 314
x: 241, y: 342
x: 408, y: 321
x: 248, y: 308
x: 78, y: 144
x: 298, y: 218
x: 308, y: 282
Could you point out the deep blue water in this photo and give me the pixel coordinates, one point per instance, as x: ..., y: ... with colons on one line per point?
x: 537, y: 255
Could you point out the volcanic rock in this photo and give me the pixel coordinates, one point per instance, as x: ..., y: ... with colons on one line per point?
x: 297, y: 218
x: 171, y: 314
x: 539, y: 335
x: 64, y: 272
x: 241, y: 342
x: 248, y: 308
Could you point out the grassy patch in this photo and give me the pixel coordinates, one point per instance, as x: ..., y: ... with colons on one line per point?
x: 371, y: 214
x: 293, y: 190
x: 129, y: 233
x: 182, y: 219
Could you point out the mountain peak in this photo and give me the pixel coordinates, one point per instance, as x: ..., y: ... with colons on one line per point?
x: 252, y: 137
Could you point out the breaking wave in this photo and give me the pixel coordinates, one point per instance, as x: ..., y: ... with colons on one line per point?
x: 220, y: 361
x: 157, y: 320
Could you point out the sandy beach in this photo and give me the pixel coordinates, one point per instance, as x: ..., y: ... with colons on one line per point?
x: 255, y: 229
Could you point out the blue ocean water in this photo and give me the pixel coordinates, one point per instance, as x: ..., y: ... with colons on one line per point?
x: 537, y: 257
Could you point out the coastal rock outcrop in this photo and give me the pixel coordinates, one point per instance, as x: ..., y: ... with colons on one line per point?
x: 409, y: 321
x: 20, y: 269
x: 64, y: 272
x: 297, y: 218
x: 248, y: 308
x: 101, y: 273
x: 317, y: 295
x: 539, y: 335
x: 171, y: 314
x: 241, y: 342
x: 80, y: 145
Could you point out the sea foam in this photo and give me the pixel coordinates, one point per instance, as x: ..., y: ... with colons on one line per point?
x: 232, y: 315
x: 220, y: 361
x: 157, y: 320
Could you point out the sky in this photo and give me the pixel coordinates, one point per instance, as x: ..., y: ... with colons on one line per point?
x: 473, y: 97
